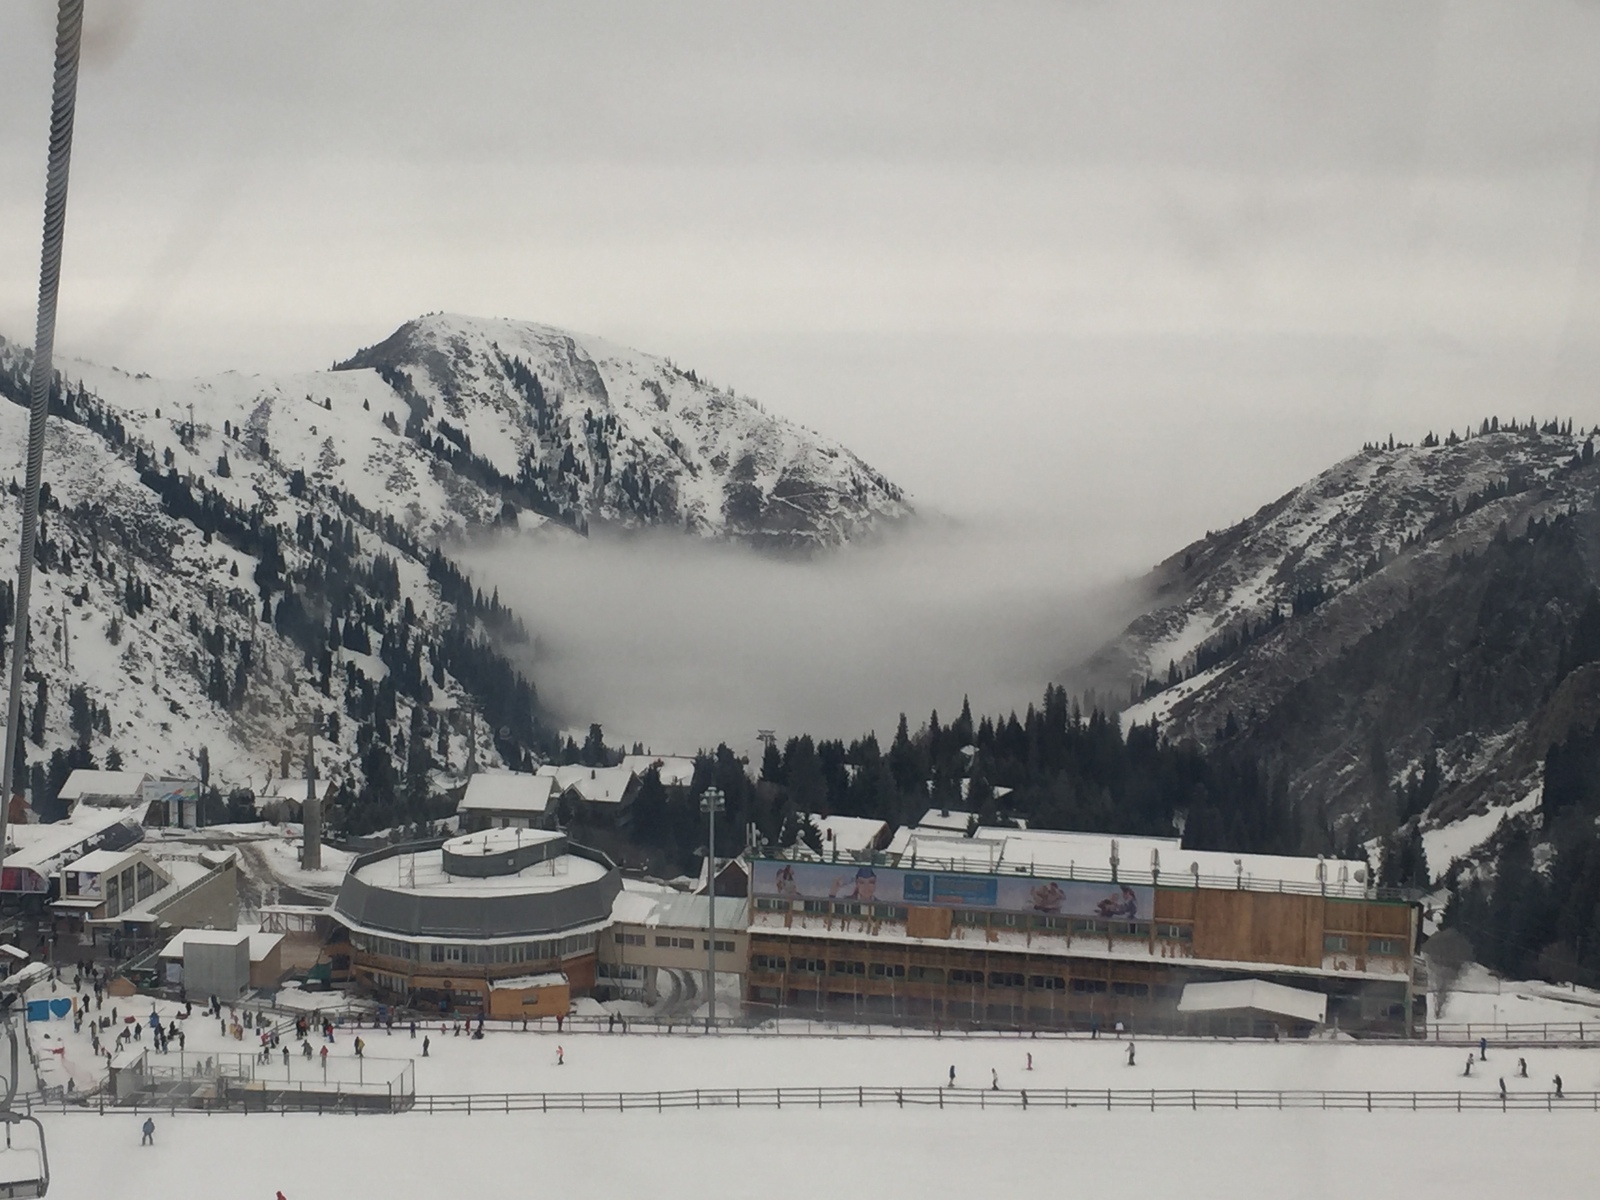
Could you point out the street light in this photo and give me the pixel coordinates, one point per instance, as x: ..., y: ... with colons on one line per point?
x: 711, y: 804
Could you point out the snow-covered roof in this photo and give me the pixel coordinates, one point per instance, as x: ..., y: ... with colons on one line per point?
x: 100, y: 862
x: 850, y: 835
x: 85, y: 783
x: 1071, y: 854
x: 203, y: 937
x: 519, y: 982
x: 675, y: 770
x: 594, y: 785
x: 261, y: 944
x: 1257, y: 994
x: 679, y: 910
x: 957, y: 819
x: 507, y: 791
x: 44, y: 848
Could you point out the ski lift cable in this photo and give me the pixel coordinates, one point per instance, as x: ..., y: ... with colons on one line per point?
x: 63, y: 106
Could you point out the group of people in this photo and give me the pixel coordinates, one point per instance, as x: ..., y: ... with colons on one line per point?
x: 1522, y: 1068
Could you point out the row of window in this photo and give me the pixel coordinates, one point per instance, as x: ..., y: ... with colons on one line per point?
x: 959, y: 976
x: 978, y: 919
x: 1338, y: 943
x: 467, y: 952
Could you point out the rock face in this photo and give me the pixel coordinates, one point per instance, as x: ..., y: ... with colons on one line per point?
x: 1402, y: 636
x: 582, y: 431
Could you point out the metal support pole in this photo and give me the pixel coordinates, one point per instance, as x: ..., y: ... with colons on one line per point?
x: 63, y: 104
x: 710, y: 802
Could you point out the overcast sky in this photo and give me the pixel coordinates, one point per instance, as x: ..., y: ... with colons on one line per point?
x: 1133, y: 269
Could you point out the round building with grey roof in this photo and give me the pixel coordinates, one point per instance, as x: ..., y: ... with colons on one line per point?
x: 502, y: 922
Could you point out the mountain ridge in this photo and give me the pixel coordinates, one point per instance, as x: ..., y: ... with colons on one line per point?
x: 1394, y: 636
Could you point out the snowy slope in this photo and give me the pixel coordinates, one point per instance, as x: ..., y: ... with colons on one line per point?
x: 154, y: 617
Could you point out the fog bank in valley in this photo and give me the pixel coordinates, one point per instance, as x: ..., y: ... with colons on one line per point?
x: 682, y: 644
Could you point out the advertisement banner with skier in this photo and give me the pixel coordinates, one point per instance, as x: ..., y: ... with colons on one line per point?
x: 937, y: 889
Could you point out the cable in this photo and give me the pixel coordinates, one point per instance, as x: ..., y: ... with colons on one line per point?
x: 63, y: 104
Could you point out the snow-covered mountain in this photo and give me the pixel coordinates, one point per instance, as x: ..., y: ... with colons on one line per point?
x: 224, y: 558
x: 583, y: 431
x: 1399, y: 637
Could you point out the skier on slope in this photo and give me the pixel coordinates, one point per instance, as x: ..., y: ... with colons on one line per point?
x: 994, y: 1080
x: 952, y: 1082
x: 149, y: 1131
x: 1468, y: 1071
x: 1130, y: 1054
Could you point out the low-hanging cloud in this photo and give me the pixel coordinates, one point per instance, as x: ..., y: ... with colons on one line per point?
x: 682, y: 644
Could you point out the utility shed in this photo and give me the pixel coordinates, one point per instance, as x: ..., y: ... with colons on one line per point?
x: 216, y: 962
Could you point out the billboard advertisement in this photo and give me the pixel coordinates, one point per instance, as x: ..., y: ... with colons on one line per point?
x: 938, y: 889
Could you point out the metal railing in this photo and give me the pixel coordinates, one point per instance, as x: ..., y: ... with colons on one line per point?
x: 1144, y: 1099
x: 1079, y: 872
x: 1469, y: 1032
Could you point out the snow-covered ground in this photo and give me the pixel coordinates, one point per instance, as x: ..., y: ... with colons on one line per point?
x: 923, y: 1153
x: 1481, y: 997
x: 888, y: 1153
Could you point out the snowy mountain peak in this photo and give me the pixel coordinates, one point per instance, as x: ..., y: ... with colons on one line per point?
x: 580, y: 430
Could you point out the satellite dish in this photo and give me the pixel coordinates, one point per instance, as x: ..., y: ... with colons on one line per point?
x: 505, y: 733
x: 1361, y: 874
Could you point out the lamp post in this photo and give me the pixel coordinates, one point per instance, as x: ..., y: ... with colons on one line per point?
x: 710, y: 803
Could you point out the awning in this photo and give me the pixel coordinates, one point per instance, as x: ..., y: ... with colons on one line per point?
x: 445, y: 984
x: 83, y: 902
x: 1257, y: 995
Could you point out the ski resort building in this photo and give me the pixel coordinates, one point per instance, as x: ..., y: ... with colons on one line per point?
x: 506, y: 800
x: 503, y: 922
x: 656, y: 932
x: 1064, y: 930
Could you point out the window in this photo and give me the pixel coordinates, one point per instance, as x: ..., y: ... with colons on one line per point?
x: 1335, y: 943
x: 1387, y: 947
x: 887, y: 971
x: 1175, y: 933
x: 766, y: 962
x: 888, y: 912
x: 927, y: 974
x: 840, y: 967
x: 722, y: 947
x: 815, y: 906
x: 1047, y: 983
x: 965, y: 916
x: 1089, y: 927
x: 848, y: 909
x: 1057, y: 923
x: 675, y: 943
x: 966, y: 977
x: 1005, y: 979
x: 630, y: 939
x: 1136, y: 929
x: 807, y: 966
x: 773, y: 905
x: 1008, y: 920
x: 1121, y: 988
x: 147, y: 881
x: 1088, y: 985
